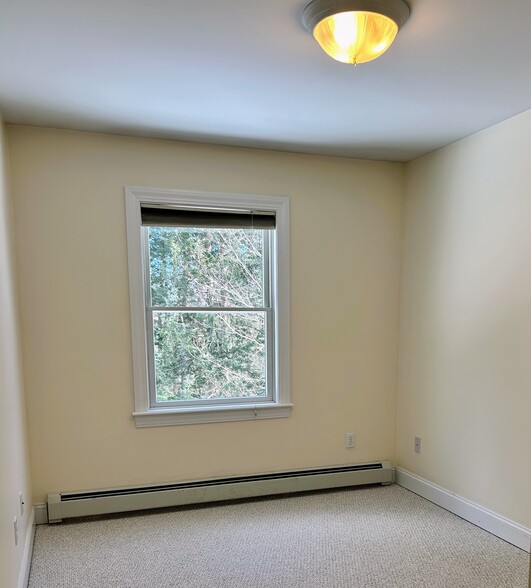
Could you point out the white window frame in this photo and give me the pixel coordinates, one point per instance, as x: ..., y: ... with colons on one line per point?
x: 279, y: 404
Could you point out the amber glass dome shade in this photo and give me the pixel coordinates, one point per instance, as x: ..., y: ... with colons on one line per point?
x: 355, y: 37
x: 355, y: 31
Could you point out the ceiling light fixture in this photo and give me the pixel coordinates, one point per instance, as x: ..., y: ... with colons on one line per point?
x: 355, y: 31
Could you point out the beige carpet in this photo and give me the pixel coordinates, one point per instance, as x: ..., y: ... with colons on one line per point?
x: 379, y: 537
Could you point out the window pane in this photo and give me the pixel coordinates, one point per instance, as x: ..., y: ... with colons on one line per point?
x: 209, y: 355
x: 206, y: 267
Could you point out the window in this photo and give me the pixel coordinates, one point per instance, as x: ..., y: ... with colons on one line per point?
x: 209, y: 306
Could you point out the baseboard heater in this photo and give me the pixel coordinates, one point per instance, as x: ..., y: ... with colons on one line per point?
x: 79, y: 504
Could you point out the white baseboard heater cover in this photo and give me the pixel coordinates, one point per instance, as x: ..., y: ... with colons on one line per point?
x: 65, y: 505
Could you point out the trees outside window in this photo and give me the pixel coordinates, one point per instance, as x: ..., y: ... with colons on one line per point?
x: 209, y: 312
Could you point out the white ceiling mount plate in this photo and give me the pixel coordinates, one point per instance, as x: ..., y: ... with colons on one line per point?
x: 317, y: 10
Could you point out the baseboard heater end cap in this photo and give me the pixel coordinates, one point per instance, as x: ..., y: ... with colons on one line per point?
x: 54, y: 508
x: 388, y: 473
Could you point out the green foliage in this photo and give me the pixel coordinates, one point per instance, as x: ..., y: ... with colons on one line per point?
x: 208, y: 355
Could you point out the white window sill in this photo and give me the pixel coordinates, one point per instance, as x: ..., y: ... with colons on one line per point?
x: 162, y: 417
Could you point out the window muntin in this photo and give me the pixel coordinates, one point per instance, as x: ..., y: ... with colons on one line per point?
x: 209, y: 315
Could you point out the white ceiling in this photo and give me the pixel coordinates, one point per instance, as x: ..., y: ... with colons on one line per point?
x: 245, y: 72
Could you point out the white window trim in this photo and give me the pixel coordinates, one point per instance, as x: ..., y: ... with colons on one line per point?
x: 280, y: 407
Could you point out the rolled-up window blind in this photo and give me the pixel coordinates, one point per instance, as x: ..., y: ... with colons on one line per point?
x: 210, y: 219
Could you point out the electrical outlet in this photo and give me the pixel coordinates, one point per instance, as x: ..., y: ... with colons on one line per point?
x: 15, y: 527
x: 350, y: 440
x: 21, y: 501
x: 417, y: 444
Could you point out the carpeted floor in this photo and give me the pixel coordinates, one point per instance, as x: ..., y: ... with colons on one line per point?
x: 379, y: 537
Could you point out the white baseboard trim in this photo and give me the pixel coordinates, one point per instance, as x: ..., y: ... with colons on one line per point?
x: 25, y: 565
x: 41, y: 514
x: 470, y: 511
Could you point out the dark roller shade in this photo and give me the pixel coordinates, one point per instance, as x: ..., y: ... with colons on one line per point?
x: 210, y: 219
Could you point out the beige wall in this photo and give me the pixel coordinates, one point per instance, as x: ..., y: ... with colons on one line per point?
x: 465, y: 369
x: 346, y: 223
x: 14, y: 471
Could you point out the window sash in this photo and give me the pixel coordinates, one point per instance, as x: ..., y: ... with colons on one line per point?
x: 268, y: 309
x: 269, y: 338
